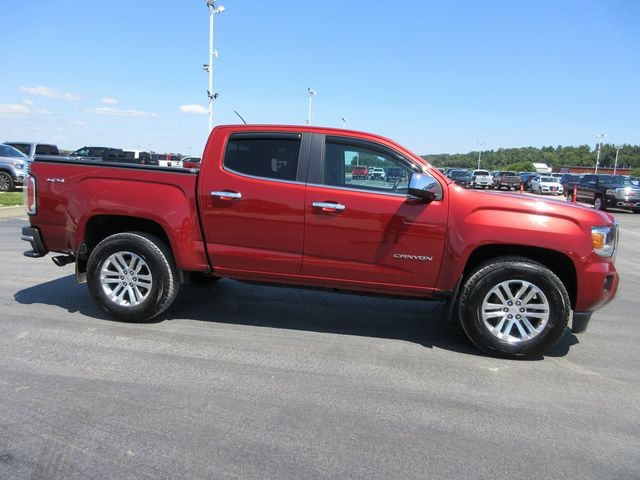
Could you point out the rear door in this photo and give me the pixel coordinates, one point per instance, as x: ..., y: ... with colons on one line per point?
x: 252, y: 202
x: 367, y: 234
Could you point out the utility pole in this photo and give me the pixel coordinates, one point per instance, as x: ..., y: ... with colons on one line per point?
x: 600, y: 136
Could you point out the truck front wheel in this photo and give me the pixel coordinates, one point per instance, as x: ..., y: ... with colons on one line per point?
x: 6, y: 182
x: 514, y: 307
x: 132, y: 276
x: 598, y: 203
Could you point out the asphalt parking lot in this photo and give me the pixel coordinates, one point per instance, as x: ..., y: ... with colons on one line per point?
x: 239, y: 381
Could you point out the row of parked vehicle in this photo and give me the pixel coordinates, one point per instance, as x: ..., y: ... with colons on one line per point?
x: 391, y: 174
x: 15, y: 158
x: 601, y: 191
x: 498, y: 180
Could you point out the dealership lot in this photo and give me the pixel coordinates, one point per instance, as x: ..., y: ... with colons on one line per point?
x: 239, y: 381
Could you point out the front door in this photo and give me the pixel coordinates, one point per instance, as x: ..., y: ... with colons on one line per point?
x: 366, y: 233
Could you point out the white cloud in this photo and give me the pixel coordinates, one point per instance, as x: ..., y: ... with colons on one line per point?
x: 193, y: 108
x: 120, y: 113
x: 14, y: 109
x: 27, y: 102
x: 49, y: 92
x: 109, y: 101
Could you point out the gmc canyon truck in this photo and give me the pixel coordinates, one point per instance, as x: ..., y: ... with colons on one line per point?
x: 277, y: 204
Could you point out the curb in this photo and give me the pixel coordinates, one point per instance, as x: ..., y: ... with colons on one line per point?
x: 18, y: 211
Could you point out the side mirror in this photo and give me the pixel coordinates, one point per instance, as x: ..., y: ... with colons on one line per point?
x: 425, y: 187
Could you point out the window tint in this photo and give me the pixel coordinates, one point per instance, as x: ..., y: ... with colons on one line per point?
x: 46, y: 150
x: 23, y: 147
x: 358, y: 167
x: 263, y: 156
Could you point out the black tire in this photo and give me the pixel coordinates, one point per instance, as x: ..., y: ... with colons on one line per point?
x: 636, y: 210
x: 6, y: 182
x: 202, y: 278
x: 478, y: 287
x: 539, y: 190
x: 598, y: 204
x: 159, y: 264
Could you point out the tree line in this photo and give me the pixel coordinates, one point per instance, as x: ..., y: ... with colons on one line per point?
x: 515, y: 158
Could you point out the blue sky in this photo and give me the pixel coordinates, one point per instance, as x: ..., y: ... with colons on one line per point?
x: 435, y: 76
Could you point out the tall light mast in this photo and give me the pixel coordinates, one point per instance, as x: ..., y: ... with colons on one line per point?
x: 211, y: 96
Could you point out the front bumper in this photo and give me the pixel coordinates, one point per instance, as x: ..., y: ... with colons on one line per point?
x: 32, y: 235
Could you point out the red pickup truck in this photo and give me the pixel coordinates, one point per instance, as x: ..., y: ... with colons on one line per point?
x: 277, y: 204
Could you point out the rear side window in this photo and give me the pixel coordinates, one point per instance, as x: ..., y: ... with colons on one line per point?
x: 263, y: 155
x: 46, y: 150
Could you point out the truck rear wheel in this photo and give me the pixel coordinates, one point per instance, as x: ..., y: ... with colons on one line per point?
x: 514, y: 307
x: 132, y: 276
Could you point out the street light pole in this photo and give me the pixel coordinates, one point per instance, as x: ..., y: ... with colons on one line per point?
x: 615, y: 165
x: 599, y: 137
x: 213, y: 10
x: 481, y: 144
x: 312, y: 92
x: 344, y: 122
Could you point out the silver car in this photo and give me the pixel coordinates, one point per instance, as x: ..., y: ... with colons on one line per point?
x: 12, y: 168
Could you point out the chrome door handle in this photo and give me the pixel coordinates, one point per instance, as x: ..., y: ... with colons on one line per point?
x: 329, y: 206
x: 227, y: 195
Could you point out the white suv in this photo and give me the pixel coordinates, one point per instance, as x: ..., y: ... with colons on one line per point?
x: 376, y: 173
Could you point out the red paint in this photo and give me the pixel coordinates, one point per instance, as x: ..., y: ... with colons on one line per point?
x: 273, y: 233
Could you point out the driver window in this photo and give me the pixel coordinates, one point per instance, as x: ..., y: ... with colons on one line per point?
x: 359, y: 167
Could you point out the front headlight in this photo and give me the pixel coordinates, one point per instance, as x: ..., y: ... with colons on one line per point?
x: 604, y: 240
x: 18, y: 165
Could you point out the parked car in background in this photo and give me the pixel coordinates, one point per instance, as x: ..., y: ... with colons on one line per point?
x: 360, y: 172
x: 569, y: 181
x: 191, y: 162
x: 461, y: 177
x: 12, y: 168
x: 170, y: 160
x: 506, y: 179
x: 395, y: 174
x: 481, y: 178
x: 376, y: 173
x: 106, y: 154
x: 140, y: 157
x: 33, y: 149
x: 546, y: 184
x: 525, y: 179
x: 609, y: 191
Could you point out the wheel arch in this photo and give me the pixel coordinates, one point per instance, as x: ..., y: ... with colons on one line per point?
x: 559, y: 263
x: 100, y: 227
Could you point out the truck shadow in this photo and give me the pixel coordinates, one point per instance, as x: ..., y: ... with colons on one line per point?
x: 231, y: 302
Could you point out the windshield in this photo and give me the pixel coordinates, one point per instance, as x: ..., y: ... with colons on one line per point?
x: 616, y: 181
x: 481, y: 172
x: 459, y: 174
x: 9, y: 151
x: 549, y: 179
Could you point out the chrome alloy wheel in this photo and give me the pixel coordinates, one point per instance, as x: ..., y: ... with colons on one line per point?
x: 515, y: 311
x: 126, y: 279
